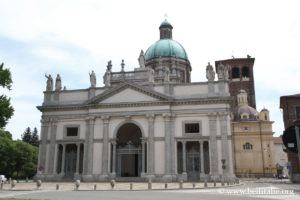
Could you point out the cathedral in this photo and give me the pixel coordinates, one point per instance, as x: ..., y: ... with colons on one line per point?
x: 149, y: 123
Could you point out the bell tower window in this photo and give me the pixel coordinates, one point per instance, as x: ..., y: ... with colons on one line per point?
x: 245, y: 72
x: 235, y: 72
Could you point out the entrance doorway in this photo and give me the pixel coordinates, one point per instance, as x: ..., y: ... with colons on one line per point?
x: 193, y: 160
x: 129, y: 151
x: 70, y: 162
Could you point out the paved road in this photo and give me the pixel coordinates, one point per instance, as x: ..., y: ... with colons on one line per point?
x: 250, y: 190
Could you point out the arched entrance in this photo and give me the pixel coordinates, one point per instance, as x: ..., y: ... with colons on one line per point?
x: 129, y: 151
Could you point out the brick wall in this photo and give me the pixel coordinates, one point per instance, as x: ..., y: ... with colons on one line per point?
x: 288, y: 105
x: 237, y: 84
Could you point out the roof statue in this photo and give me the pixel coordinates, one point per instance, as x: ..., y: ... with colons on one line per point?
x: 58, y: 83
x: 223, y: 71
x: 93, y: 79
x: 220, y: 71
x: 166, y: 74
x: 107, y: 75
x: 109, y: 65
x: 210, y: 74
x: 141, y: 59
x: 49, y: 86
x: 150, y: 75
x: 226, y: 72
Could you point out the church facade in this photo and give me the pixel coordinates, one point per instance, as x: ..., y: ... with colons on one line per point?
x: 149, y: 123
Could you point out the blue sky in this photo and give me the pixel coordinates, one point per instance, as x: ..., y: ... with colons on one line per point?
x: 76, y: 36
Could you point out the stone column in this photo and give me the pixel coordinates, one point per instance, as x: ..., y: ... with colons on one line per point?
x: 114, y: 143
x: 104, y: 175
x: 150, y: 162
x: 143, y: 158
x: 173, y: 146
x: 88, y: 151
x: 184, y: 174
x: 77, y: 159
x: 62, y: 171
x: 213, y: 146
x: 51, y: 158
x: 224, y: 136
x: 168, y: 155
x: 201, y: 159
x: 43, y: 145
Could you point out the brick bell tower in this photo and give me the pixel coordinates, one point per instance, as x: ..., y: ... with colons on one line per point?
x: 241, y: 76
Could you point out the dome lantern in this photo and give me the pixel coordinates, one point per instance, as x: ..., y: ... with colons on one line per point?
x: 165, y: 30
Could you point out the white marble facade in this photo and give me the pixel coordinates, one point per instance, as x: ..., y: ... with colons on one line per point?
x: 150, y: 123
x: 163, y: 131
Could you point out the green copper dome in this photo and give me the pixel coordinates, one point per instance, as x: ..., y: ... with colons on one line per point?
x: 166, y: 48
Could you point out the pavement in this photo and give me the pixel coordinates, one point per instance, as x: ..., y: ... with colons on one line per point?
x: 249, y: 189
x: 120, y: 186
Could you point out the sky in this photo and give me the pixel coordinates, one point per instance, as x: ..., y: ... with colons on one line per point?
x: 74, y: 37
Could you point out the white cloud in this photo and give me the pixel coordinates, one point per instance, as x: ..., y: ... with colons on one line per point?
x: 52, y: 53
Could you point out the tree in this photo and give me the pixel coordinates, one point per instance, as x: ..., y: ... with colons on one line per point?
x: 25, y: 159
x: 27, y: 136
x: 35, y: 137
x: 6, y: 156
x: 5, y: 77
x: 5, y: 134
x: 6, y: 110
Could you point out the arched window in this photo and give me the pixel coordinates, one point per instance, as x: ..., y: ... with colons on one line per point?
x: 245, y: 72
x: 235, y: 72
x: 247, y: 146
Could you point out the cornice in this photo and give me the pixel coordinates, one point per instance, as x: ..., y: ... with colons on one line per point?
x: 218, y: 100
x: 124, y: 86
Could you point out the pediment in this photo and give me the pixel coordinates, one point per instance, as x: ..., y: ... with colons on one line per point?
x: 128, y: 93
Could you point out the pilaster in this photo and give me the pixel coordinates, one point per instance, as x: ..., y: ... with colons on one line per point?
x: 114, y: 143
x: 168, y: 147
x: 104, y: 174
x: 213, y: 145
x: 51, y: 157
x: 224, y: 138
x: 43, y: 145
x: 88, y: 152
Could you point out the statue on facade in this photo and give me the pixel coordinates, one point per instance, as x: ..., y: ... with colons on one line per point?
x: 49, y: 86
x: 142, y: 59
x: 226, y: 72
x: 109, y: 65
x: 150, y: 74
x: 166, y: 74
x: 220, y: 71
x: 107, y: 75
x: 58, y: 83
x: 106, y: 78
x: 93, y: 79
x: 210, y: 74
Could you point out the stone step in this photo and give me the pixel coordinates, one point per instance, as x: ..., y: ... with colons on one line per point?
x: 131, y: 179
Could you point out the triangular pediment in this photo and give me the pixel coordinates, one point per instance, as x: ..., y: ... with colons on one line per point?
x: 128, y: 93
